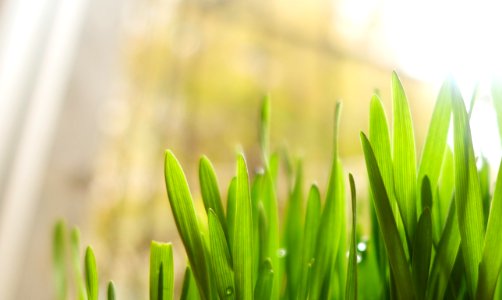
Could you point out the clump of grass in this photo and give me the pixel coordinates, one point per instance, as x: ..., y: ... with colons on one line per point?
x: 434, y: 224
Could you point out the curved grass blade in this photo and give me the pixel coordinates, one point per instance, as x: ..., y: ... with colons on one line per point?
x: 76, y: 262
x: 186, y: 220
x: 265, y: 129
x: 189, y: 291
x: 404, y: 158
x: 445, y: 194
x: 265, y: 282
x: 393, y: 243
x: 161, y: 271
x: 91, y: 275
x: 329, y: 233
x: 312, y: 218
x: 210, y: 191
x: 467, y: 194
x: 110, y: 293
x: 293, y: 233
x: 421, y: 259
x: 491, y: 263
x: 242, y: 238
x: 220, y: 259
x: 435, y: 143
x: 351, y: 286
x: 231, y: 211
x: 58, y: 256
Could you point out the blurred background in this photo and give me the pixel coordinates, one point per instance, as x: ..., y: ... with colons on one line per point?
x: 93, y: 91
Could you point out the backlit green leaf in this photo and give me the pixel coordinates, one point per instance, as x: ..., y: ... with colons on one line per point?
x: 77, y: 263
x: 110, y: 292
x: 422, y: 247
x: 263, y: 290
x: 91, y: 275
x: 161, y: 271
x: 189, y: 291
x: 351, y: 287
x: 58, y: 256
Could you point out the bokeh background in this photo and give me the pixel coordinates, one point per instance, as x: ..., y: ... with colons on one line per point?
x: 93, y: 91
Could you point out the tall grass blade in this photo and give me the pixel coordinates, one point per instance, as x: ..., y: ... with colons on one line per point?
x: 467, y: 194
x: 330, y: 227
x: 231, y: 211
x: 404, y: 158
x: 76, y: 263
x: 351, y: 287
x: 91, y: 275
x: 110, y: 291
x: 311, y: 226
x: 161, y: 271
x: 265, y: 129
x: 220, y: 259
x: 186, y: 220
x: 265, y: 282
x: 444, y: 194
x: 242, y: 239
x: 210, y: 191
x: 393, y: 244
x: 421, y: 259
x: 491, y: 262
x: 58, y: 256
x: 189, y: 291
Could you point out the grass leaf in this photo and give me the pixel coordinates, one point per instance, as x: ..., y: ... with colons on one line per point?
x: 91, y: 275
x: 76, y: 263
x: 161, y: 271
x: 110, y: 292
x: 220, y: 259
x: 58, y: 256
x: 393, y: 243
x: 186, y: 220
x: 231, y: 211
x: 467, y: 193
x: 404, y: 158
x: 189, y: 291
x: 351, y: 287
x: 265, y: 282
x: 242, y: 238
x: 491, y: 262
x: 421, y: 259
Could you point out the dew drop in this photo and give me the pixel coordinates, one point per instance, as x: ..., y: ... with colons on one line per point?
x: 229, y: 291
x: 359, y: 258
x: 281, y: 253
x: 361, y: 246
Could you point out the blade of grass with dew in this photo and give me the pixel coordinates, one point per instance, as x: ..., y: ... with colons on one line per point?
x: 265, y: 282
x: 437, y: 134
x: 231, y: 211
x: 444, y: 259
x: 311, y: 226
x: 393, y: 243
x: 491, y: 262
x: 189, y: 291
x: 110, y: 291
x: 161, y: 271
x: 293, y: 233
x: 351, y: 286
x: 467, y: 193
x: 404, y: 158
x: 76, y: 264
x: 242, y: 239
x: 496, y: 90
x: 58, y: 256
x: 210, y: 191
x: 421, y: 259
x: 91, y: 275
x: 186, y: 220
x: 220, y: 259
x: 328, y: 235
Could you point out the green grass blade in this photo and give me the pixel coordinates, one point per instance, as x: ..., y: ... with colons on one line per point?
x: 189, y: 291
x: 110, y: 292
x: 186, y: 220
x: 265, y: 282
x: 220, y: 259
x: 161, y: 271
x: 242, y: 238
x: 312, y: 217
x: 58, y: 256
x: 231, y: 211
x: 393, y: 243
x: 491, y: 262
x: 445, y: 194
x: 435, y: 143
x: 351, y: 286
x: 76, y: 263
x: 293, y: 233
x: 484, y: 181
x: 91, y: 275
x: 404, y: 158
x: 496, y: 90
x: 446, y: 254
x: 210, y: 191
x: 330, y: 228
x: 467, y: 193
x: 421, y: 259
x: 265, y: 129
x: 273, y: 166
